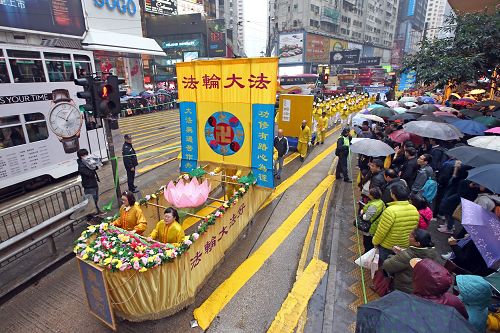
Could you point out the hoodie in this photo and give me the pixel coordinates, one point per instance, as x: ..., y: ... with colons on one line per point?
x: 475, y: 293
x: 432, y: 281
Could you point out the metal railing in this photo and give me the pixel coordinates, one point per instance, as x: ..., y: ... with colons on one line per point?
x: 19, y: 220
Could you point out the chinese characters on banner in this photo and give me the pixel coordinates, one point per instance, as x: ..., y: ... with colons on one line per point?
x: 263, y: 143
x: 189, y: 136
x: 230, y: 98
x: 97, y: 292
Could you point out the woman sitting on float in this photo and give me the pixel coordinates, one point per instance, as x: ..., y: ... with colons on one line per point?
x: 169, y: 230
x: 131, y: 216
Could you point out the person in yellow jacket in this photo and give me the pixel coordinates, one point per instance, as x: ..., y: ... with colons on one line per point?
x: 322, y: 125
x: 304, y: 140
x: 169, y: 229
x: 131, y: 216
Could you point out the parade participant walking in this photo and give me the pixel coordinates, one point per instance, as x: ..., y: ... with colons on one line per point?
x: 168, y: 230
x: 342, y: 152
x: 131, y: 216
x: 129, y: 161
x: 304, y: 140
x: 281, y: 145
x: 396, y: 223
x: 87, y: 168
x: 322, y: 125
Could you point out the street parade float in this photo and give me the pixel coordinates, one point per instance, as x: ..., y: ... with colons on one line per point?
x: 227, y: 132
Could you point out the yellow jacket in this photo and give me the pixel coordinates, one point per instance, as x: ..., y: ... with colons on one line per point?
x: 322, y: 123
x: 172, y: 233
x: 131, y: 219
x: 305, y: 134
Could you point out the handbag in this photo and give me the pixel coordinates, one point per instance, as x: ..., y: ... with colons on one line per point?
x: 363, y: 225
x: 381, y: 284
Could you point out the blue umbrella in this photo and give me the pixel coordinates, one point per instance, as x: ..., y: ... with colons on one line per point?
x: 428, y: 100
x: 374, y: 106
x: 482, y: 226
x: 483, y: 176
x: 470, y: 127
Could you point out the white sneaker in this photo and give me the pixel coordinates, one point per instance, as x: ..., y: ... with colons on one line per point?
x: 447, y: 256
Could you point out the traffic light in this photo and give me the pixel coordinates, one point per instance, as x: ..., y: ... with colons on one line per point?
x: 324, y: 78
x: 87, y: 94
x: 113, y: 84
x: 102, y: 100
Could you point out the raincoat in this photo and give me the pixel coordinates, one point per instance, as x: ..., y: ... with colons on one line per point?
x: 475, y: 293
x: 432, y: 281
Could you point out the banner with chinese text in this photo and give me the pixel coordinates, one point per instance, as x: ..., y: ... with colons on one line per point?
x: 223, y: 94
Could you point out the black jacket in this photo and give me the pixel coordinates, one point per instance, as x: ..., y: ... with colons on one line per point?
x: 281, y: 146
x: 438, y: 154
x: 89, y: 177
x: 129, y: 157
x: 386, y: 191
x: 342, y: 150
x: 409, y: 171
x: 377, y: 180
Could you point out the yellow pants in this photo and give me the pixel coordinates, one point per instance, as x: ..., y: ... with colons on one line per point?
x: 320, y: 136
x: 302, y: 149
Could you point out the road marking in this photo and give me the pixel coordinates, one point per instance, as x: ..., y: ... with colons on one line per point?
x: 161, y: 155
x: 156, y: 165
x: 141, y: 127
x: 307, y: 241
x: 176, y: 143
x: 296, y: 302
x: 226, y: 291
x: 159, y: 115
x: 141, y: 138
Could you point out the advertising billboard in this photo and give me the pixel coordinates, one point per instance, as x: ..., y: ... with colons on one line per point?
x: 369, y: 61
x: 216, y: 38
x: 338, y: 45
x: 161, y: 7
x: 61, y: 17
x: 291, y: 48
x: 344, y: 57
x: 317, y: 48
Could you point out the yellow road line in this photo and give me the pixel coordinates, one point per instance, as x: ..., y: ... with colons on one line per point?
x: 226, y: 291
x: 156, y: 165
x: 296, y: 302
x: 297, y: 175
x: 161, y: 155
x: 145, y: 137
x: 146, y: 121
x: 307, y: 241
x: 128, y: 120
x: 144, y: 127
x: 176, y: 143
x: 321, y: 226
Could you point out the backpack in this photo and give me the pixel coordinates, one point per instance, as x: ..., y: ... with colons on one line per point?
x: 429, y: 190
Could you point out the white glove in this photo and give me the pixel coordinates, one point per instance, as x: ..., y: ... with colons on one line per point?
x: 309, y: 144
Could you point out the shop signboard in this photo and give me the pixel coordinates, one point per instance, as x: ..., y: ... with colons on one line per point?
x: 338, y: 45
x: 317, y: 48
x: 350, y: 57
x: 291, y: 48
x: 216, y: 38
x: 61, y: 17
x: 161, y: 7
x: 369, y: 61
x: 192, y: 44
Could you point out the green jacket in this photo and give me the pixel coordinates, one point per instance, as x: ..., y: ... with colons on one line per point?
x: 399, y: 266
x: 395, y: 225
x: 373, y: 211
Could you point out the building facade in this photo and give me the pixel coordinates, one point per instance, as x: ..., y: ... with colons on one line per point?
x: 411, y: 25
x: 435, y: 18
x: 307, y: 31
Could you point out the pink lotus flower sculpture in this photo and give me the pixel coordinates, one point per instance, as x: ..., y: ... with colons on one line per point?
x: 187, y: 195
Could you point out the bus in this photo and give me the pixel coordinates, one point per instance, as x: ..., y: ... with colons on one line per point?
x: 41, y: 125
x: 302, y: 84
x: 371, y: 77
x: 348, y: 77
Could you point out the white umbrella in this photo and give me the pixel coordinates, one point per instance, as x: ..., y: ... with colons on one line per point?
x: 400, y: 109
x: 372, y: 117
x: 432, y: 129
x: 488, y: 142
x: 411, y: 104
x: 371, y: 147
x: 408, y: 99
x: 357, y: 120
x: 393, y: 104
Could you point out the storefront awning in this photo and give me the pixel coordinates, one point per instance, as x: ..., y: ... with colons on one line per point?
x: 100, y: 40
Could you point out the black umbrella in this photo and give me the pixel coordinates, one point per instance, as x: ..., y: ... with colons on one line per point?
x: 470, y: 113
x: 421, y: 110
x: 428, y: 108
x: 488, y: 102
x: 474, y: 156
x: 403, y: 116
x: 432, y: 118
x: 398, y: 312
x: 484, y: 175
x: 496, y: 114
x: 382, y: 103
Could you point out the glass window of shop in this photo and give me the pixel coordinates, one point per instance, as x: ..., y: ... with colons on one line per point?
x: 129, y: 68
x: 59, y: 67
x: 26, y: 66
x: 4, y: 74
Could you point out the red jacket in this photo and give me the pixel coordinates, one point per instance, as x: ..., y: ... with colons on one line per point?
x: 425, y: 218
x: 432, y: 281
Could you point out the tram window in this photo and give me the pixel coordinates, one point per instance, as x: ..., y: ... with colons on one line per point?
x: 29, y: 117
x: 27, y: 70
x: 37, y: 131
x: 9, y: 120
x: 4, y: 74
x: 59, y: 71
x: 11, y: 136
x: 82, y: 68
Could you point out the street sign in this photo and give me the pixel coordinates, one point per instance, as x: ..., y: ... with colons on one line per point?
x: 344, y: 57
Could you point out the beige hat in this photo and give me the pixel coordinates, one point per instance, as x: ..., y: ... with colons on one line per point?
x: 414, y: 261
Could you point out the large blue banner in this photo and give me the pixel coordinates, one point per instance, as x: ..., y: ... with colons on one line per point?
x: 263, y: 144
x: 96, y: 290
x: 189, y: 136
x: 411, y: 7
x: 407, y: 80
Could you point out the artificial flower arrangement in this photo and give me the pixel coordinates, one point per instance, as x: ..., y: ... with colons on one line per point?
x: 120, y: 250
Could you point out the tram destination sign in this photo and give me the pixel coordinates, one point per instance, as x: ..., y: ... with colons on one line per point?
x: 25, y: 98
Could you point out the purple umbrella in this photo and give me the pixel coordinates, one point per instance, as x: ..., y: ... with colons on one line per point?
x: 484, y: 228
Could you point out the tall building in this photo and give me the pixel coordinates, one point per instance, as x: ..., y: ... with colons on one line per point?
x: 435, y: 18
x: 320, y: 27
x: 233, y: 15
